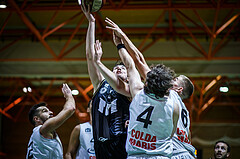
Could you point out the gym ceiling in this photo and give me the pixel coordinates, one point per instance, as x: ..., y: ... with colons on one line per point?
x: 43, y: 45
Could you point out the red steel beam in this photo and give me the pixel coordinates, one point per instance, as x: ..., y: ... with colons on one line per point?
x: 31, y: 27
x: 203, y: 23
x: 5, y: 22
x: 152, y: 30
x: 13, y: 104
x: 149, y: 45
x: 185, y: 16
x: 112, y: 6
x: 213, y: 31
x: 23, y: 4
x: 191, y: 44
x: 47, y: 90
x: 227, y: 24
x: 6, y: 114
x: 221, y: 44
x: 71, y: 49
x: 193, y: 37
x: 71, y: 37
x: 53, y: 18
x: 61, y: 25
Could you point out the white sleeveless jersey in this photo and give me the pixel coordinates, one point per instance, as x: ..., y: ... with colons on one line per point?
x: 150, y: 126
x: 40, y: 147
x: 181, y: 142
x: 86, y: 147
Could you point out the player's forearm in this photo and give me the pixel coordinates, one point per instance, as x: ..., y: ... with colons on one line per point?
x: 132, y: 49
x: 107, y: 74
x: 90, y: 40
x: 69, y: 105
x: 136, y: 55
x: 126, y: 58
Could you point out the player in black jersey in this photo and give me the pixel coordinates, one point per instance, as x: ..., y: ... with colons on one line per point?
x: 110, y: 104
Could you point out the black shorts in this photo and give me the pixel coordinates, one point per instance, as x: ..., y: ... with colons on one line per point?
x: 111, y: 149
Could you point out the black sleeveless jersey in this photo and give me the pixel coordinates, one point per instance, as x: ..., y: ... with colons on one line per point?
x: 110, y: 110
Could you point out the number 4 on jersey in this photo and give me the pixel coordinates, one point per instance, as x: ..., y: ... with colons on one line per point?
x: 146, y: 121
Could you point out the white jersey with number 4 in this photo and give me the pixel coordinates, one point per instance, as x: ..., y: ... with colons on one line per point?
x: 150, y: 126
x: 182, y: 147
x: 86, y: 147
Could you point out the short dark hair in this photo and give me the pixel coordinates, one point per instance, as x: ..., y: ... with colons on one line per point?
x: 119, y: 63
x: 159, y: 80
x: 228, y: 146
x: 33, y: 111
x: 188, y: 87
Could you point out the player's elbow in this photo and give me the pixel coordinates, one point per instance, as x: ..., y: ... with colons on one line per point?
x: 68, y: 155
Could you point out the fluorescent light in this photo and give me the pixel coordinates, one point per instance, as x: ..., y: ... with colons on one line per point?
x: 3, y: 6
x: 29, y: 89
x: 223, y: 89
x: 24, y: 89
x: 75, y: 92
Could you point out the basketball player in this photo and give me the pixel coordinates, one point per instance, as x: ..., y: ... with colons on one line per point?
x: 153, y: 115
x: 81, y: 141
x: 110, y: 104
x: 44, y: 141
x: 182, y: 89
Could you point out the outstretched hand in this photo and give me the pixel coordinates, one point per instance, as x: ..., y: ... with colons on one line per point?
x: 116, y: 39
x: 117, y: 31
x: 66, y: 91
x: 98, y: 50
x: 87, y: 13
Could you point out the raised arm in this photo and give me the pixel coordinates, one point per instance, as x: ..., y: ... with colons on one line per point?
x: 116, y: 83
x: 131, y: 48
x: 135, y: 83
x: 73, y: 143
x: 68, y: 109
x: 95, y: 75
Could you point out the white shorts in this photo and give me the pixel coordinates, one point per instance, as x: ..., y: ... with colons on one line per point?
x: 182, y: 156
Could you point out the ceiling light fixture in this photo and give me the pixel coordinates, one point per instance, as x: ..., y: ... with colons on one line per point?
x: 223, y: 89
x: 75, y: 92
x: 3, y: 4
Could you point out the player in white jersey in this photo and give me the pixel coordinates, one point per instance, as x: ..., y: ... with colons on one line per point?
x: 81, y: 141
x: 44, y: 141
x: 182, y: 139
x: 152, y: 112
x: 40, y: 147
x: 181, y: 84
x: 150, y: 126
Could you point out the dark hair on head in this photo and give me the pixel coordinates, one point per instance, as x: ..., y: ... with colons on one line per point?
x: 228, y: 146
x: 119, y: 62
x: 33, y: 111
x: 188, y: 87
x: 159, y: 80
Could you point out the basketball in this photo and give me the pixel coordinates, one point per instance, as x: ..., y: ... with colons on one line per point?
x: 95, y: 5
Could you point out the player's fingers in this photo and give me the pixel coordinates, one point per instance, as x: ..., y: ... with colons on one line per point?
x: 112, y: 28
x: 114, y: 24
x: 88, y: 8
x: 107, y: 20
